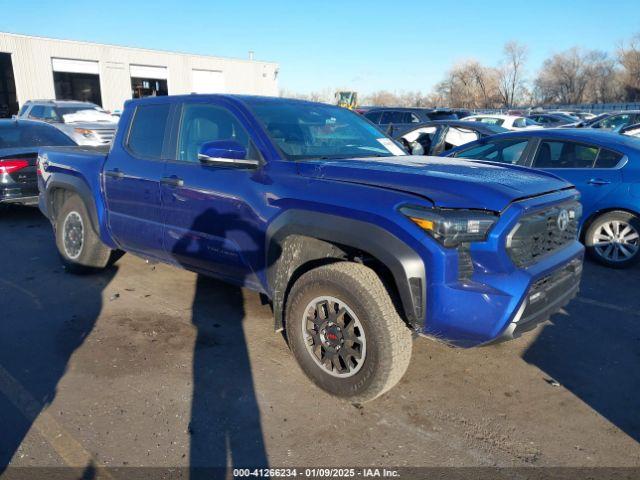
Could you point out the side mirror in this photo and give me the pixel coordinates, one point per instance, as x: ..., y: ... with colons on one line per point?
x: 226, y: 153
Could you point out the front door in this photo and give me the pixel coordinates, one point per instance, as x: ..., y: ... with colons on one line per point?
x: 210, y: 226
x: 132, y: 175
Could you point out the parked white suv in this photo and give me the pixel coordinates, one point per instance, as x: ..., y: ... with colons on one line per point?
x: 86, y: 123
x: 510, y: 122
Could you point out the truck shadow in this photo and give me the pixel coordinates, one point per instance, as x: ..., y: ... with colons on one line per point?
x: 594, y: 351
x: 225, y: 425
x: 45, y: 316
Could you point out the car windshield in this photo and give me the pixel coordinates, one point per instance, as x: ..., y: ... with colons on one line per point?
x: 75, y: 109
x: 15, y: 135
x: 84, y: 113
x: 305, y: 131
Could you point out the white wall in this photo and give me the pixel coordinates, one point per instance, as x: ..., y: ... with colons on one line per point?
x: 32, y: 66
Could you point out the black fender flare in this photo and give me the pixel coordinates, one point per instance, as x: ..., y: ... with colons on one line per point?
x: 76, y: 185
x: 404, y: 263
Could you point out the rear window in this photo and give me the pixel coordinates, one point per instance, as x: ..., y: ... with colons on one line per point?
x: 146, y: 135
x: 373, y: 116
x: 19, y: 135
x: 442, y: 116
x: 491, y: 120
x: 607, y: 159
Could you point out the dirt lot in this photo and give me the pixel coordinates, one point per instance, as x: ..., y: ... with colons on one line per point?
x: 152, y: 366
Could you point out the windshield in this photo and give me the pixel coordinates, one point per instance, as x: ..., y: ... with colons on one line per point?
x: 84, y: 113
x: 32, y: 135
x: 304, y: 131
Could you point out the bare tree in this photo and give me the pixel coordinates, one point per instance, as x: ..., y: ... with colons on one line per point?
x: 577, y: 76
x: 563, y: 77
x: 629, y: 58
x: 603, y: 82
x: 511, y: 73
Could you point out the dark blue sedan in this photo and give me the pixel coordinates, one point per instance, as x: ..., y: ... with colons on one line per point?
x: 604, y: 166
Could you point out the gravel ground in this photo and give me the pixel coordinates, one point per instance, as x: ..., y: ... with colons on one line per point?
x: 148, y: 365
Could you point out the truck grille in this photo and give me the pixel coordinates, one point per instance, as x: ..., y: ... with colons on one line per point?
x: 105, y: 135
x: 543, y: 232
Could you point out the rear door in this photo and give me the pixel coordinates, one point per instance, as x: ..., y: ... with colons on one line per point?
x: 132, y: 174
x: 591, y: 169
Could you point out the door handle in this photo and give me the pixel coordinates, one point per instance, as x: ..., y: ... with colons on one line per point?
x: 172, y: 181
x: 598, y: 181
x: 115, y: 173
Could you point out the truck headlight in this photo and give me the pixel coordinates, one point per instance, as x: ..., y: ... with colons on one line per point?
x: 452, y: 227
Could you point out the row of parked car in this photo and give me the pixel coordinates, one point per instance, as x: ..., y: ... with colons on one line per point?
x: 586, y: 151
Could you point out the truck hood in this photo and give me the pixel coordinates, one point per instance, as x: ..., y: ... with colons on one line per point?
x: 447, y: 182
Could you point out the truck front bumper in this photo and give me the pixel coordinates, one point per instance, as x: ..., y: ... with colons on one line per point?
x: 546, y: 297
x: 498, y: 307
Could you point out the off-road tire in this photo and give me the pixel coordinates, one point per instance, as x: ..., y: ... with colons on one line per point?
x: 93, y: 254
x: 615, y: 216
x: 388, y: 339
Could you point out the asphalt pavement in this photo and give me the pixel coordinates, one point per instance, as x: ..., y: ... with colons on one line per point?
x: 148, y: 365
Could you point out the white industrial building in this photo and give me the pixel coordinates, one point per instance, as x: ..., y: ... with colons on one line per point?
x: 45, y: 68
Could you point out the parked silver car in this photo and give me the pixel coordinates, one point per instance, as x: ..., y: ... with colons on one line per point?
x: 86, y: 123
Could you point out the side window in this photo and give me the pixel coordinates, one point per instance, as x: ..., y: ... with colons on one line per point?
x: 505, y: 151
x: 608, y: 159
x: 37, y: 112
x: 564, y: 155
x: 48, y: 113
x: 373, y: 116
x: 146, y: 135
x: 519, y: 123
x: 409, y: 117
x: 201, y: 123
x: 616, y: 121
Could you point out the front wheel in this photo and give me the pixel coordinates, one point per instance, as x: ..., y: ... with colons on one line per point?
x: 613, y: 239
x: 345, y: 332
x: 79, y: 246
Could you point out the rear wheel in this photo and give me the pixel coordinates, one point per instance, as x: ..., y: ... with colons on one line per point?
x: 78, y: 244
x: 613, y: 239
x: 345, y: 332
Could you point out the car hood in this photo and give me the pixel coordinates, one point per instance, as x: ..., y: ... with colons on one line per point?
x: 447, y: 182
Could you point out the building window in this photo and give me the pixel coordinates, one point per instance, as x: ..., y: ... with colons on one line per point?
x: 148, y: 87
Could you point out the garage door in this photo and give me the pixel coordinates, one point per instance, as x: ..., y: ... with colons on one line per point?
x: 207, y: 81
x: 75, y: 66
x: 146, y: 71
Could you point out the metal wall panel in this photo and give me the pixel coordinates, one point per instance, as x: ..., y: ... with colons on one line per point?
x: 32, y: 64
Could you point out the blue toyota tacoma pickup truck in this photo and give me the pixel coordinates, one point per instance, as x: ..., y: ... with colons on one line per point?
x: 357, y: 245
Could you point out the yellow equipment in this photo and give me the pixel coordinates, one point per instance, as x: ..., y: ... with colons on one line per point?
x: 347, y: 100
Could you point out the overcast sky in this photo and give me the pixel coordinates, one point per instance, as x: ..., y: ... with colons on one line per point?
x: 364, y: 45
